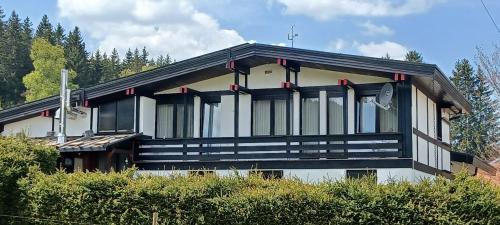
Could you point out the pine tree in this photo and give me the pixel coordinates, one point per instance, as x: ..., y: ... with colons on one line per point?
x: 136, y: 62
x: 44, y: 30
x: 96, y: 67
x: 144, y: 57
x: 127, y: 62
x: 3, y: 56
x: 474, y: 132
x: 12, y: 78
x: 386, y: 56
x: 77, y: 56
x: 163, y: 60
x: 59, y: 36
x: 485, y: 117
x: 111, y: 67
x: 414, y: 56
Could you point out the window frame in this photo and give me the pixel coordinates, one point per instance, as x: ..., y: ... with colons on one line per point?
x: 373, y: 91
x: 263, y: 96
x: 175, y: 100
x: 309, y: 94
x: 336, y: 94
x: 206, y: 101
x: 116, y: 112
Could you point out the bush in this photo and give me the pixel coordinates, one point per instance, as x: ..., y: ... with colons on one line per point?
x: 17, y: 155
x: 123, y: 198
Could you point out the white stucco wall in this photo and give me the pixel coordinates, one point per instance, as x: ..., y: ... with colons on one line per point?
x: 258, y: 79
x: 317, y: 175
x: 33, y: 127
x: 77, y: 126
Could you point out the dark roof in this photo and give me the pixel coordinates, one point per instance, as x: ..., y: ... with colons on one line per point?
x: 473, y: 160
x: 95, y: 143
x: 213, y: 64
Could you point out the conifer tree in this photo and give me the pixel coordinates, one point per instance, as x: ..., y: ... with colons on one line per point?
x: 45, y: 30
x: 476, y: 131
x: 77, y: 57
x: 96, y: 67
x: 59, y: 36
x: 3, y: 57
x: 111, y: 67
x: 144, y: 57
x: 414, y: 56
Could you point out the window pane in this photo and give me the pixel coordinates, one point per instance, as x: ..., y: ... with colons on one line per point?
x: 261, y: 117
x: 107, y: 113
x: 336, y: 115
x: 180, y: 121
x: 366, y: 114
x: 389, y: 118
x: 279, y: 117
x: 211, y: 124
x: 310, y: 116
x: 125, y: 115
x: 165, y: 121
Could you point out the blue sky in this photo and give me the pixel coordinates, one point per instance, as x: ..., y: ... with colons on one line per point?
x: 442, y: 30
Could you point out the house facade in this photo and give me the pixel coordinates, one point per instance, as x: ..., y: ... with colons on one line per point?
x: 284, y: 111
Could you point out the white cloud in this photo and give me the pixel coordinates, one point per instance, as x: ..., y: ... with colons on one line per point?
x: 337, y: 45
x: 395, y: 50
x: 279, y: 44
x: 325, y: 10
x: 371, y: 29
x: 163, y: 26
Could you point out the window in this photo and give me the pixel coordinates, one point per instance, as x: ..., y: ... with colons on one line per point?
x: 358, y: 174
x: 269, y: 116
x: 117, y: 116
x: 310, y: 116
x: 170, y: 120
x: 372, y: 118
x: 335, y: 115
x: 211, y: 119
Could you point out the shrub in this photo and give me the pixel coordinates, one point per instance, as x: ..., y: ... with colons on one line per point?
x: 123, y: 198
x: 17, y: 155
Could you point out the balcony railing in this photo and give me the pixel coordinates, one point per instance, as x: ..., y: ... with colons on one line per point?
x: 167, y: 153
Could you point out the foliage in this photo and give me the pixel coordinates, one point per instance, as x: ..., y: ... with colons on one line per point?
x: 125, y: 198
x: 491, y: 64
x: 414, y: 56
x: 48, y: 61
x: 478, y: 131
x: 17, y: 155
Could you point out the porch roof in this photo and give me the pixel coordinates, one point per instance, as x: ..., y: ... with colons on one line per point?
x: 251, y: 55
x: 96, y: 143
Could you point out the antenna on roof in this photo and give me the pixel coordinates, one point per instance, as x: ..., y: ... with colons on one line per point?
x: 292, y: 35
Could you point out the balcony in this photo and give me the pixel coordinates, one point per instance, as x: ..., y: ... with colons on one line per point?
x: 278, y: 152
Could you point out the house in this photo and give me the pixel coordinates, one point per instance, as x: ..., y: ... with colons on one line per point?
x: 284, y: 111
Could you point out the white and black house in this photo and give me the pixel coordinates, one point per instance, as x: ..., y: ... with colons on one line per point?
x: 284, y: 111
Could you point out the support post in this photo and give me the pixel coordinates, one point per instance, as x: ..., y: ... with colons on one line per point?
x: 404, y: 113
x: 185, y: 121
x: 288, y: 108
x: 236, y: 109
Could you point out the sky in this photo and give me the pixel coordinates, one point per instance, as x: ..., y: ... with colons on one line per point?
x: 444, y: 31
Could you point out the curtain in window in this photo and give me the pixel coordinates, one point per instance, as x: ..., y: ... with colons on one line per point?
x: 180, y: 121
x: 336, y: 115
x: 165, y: 121
x: 261, y: 117
x: 211, y: 120
x: 389, y: 118
x: 279, y: 117
x: 310, y: 116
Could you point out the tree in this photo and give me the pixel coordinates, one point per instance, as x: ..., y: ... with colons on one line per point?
x: 387, y: 56
x: 44, y: 30
x: 77, y: 57
x: 59, y: 36
x: 163, y: 60
x: 477, y: 131
x: 3, y: 55
x: 414, y: 56
x: 96, y: 67
x: 144, y: 56
x: 491, y: 65
x: 48, y: 61
x: 16, y: 62
x: 111, y: 66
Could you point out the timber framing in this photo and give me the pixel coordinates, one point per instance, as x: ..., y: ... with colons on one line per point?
x: 245, y: 56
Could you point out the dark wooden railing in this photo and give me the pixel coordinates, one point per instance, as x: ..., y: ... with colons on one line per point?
x: 270, y: 148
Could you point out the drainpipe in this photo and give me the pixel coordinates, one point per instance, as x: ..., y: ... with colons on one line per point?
x: 61, y: 136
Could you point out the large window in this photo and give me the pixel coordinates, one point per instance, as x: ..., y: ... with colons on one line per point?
x: 170, y: 120
x: 269, y: 116
x: 117, y: 116
x: 372, y: 119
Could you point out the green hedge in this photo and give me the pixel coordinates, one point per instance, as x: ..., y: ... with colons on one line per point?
x: 123, y: 198
x: 17, y: 155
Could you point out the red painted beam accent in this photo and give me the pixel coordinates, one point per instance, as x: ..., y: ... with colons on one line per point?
x: 399, y: 77
x: 234, y: 87
x: 45, y: 113
x: 230, y: 65
x: 183, y: 90
x: 86, y: 103
x: 281, y: 62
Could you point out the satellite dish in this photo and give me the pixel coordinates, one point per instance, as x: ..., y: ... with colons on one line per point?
x: 384, y: 97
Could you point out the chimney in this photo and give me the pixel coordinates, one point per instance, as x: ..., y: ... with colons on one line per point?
x: 61, y: 136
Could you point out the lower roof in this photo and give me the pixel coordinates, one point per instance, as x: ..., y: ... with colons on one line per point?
x: 428, y: 76
x: 98, y: 143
